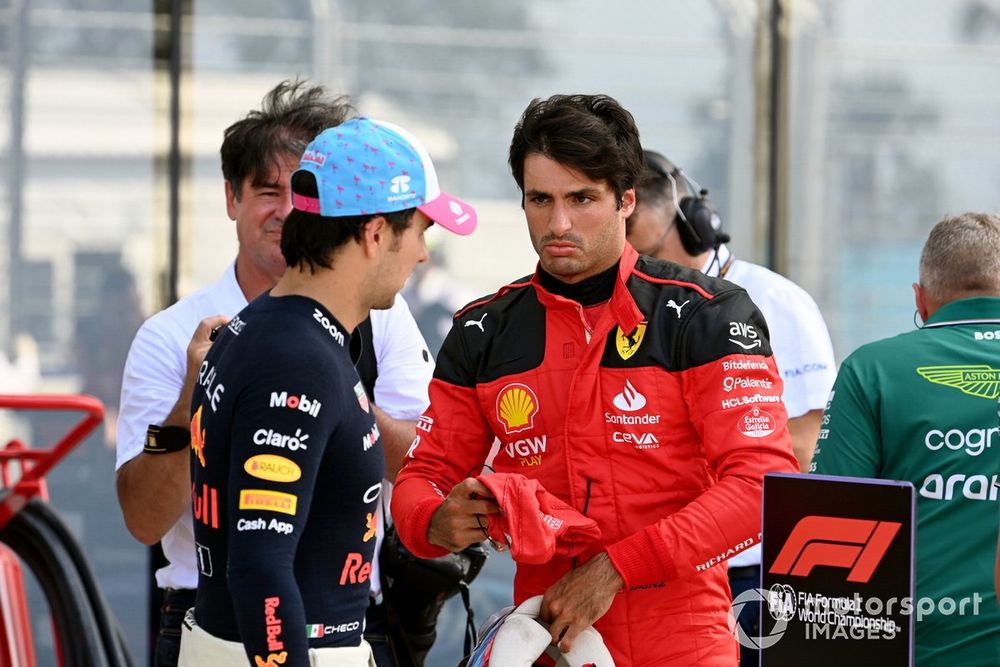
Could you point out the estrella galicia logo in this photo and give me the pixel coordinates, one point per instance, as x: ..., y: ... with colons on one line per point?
x: 977, y: 380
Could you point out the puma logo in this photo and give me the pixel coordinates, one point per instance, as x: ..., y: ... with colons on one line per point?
x: 673, y: 304
x: 479, y: 323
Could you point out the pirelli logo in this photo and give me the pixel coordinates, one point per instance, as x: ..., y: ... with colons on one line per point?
x: 268, y: 501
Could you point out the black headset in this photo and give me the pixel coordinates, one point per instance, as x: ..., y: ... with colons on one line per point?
x: 698, y: 225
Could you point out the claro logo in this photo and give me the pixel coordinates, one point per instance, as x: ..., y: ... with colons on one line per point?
x: 856, y: 544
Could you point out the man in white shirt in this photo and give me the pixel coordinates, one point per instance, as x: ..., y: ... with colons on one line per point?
x: 674, y: 221
x: 259, y: 154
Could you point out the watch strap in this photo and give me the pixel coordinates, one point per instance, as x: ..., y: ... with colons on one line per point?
x: 166, y: 439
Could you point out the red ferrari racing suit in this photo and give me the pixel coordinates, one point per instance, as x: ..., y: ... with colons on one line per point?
x: 658, y: 420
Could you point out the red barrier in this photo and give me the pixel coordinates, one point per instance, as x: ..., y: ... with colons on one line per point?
x: 35, y: 463
x: 16, y: 641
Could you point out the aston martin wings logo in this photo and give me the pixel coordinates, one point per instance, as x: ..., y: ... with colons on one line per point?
x: 977, y: 380
x: 627, y: 345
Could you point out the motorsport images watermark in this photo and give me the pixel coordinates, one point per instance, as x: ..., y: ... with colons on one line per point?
x: 825, y: 617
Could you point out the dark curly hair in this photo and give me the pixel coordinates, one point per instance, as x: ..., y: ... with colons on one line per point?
x: 590, y: 133
x: 291, y: 115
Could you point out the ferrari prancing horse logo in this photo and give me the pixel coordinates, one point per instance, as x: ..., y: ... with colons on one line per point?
x: 628, y: 345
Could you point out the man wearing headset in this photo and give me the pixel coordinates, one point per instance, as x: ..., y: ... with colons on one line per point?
x: 673, y: 220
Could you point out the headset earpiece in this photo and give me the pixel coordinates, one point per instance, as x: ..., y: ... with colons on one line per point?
x: 699, y: 226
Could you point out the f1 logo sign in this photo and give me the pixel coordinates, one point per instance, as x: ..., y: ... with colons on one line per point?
x: 858, y: 544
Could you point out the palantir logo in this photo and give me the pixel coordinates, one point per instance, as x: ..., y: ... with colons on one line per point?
x: 630, y: 399
x: 827, y: 540
x: 400, y: 184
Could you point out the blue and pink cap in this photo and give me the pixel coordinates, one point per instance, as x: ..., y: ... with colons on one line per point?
x: 365, y: 167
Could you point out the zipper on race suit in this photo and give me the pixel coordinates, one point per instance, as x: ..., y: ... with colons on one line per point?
x: 586, y: 504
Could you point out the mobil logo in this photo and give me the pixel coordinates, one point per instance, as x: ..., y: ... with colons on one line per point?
x: 302, y: 403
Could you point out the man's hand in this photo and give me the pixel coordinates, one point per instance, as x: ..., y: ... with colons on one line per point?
x: 154, y: 490
x: 201, y: 341
x: 579, y: 598
x: 461, y: 519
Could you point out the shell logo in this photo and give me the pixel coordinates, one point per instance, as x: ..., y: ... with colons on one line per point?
x: 517, y: 406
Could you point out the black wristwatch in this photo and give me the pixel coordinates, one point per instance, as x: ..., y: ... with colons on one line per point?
x: 166, y: 439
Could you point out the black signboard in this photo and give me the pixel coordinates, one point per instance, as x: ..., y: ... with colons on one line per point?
x: 837, y: 571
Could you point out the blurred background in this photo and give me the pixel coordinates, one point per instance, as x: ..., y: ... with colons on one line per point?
x: 832, y: 135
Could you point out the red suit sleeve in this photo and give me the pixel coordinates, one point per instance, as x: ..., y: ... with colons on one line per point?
x: 734, y: 402
x: 452, y: 443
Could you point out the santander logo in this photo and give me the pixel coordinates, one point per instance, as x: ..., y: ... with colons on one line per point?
x: 630, y: 399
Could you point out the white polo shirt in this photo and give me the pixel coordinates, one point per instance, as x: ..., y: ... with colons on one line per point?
x: 157, y: 363
x: 799, y: 340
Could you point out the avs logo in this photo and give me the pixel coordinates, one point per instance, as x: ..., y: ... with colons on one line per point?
x: 400, y: 184
x: 272, y: 468
x: 517, y: 406
x: 301, y: 403
x: 745, y: 331
x: 977, y: 380
x: 630, y: 399
x: 629, y: 345
x: 198, y: 436
x: 854, y: 544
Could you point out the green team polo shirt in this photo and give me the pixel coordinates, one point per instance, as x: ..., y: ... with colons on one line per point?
x: 922, y: 407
